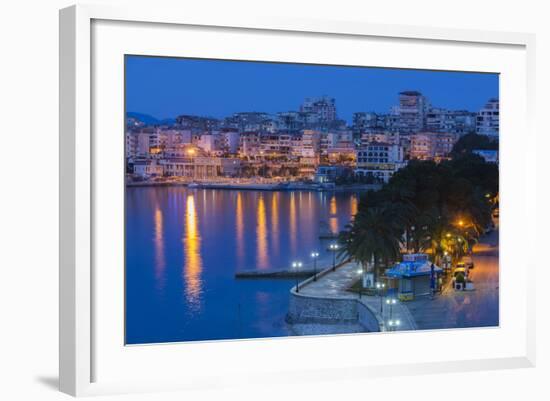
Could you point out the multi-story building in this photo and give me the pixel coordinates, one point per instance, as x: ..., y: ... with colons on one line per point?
x: 169, y: 137
x: 200, y: 167
x: 139, y: 143
x: 431, y: 145
x: 373, y: 136
x: 146, y: 168
x: 380, y: 160
x: 230, y: 141
x: 487, y: 122
x: 247, y: 121
x: 249, y: 144
x: 421, y: 147
x: 458, y: 122
x: 343, y: 153
x: 444, y: 143
x: 277, y: 144
x: 290, y: 121
x: 324, y: 108
x: 365, y: 121
x: 210, y: 143
x: 411, y: 112
x: 311, y: 143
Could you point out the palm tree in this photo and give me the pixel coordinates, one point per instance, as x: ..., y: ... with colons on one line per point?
x: 373, y: 236
x: 441, y: 238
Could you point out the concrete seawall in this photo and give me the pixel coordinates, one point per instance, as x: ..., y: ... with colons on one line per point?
x: 306, y: 308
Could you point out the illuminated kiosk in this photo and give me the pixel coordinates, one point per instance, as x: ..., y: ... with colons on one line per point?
x: 413, y: 276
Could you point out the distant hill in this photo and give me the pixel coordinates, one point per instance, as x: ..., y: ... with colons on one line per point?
x: 148, y: 119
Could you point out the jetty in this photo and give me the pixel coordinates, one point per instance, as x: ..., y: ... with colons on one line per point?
x: 302, y: 273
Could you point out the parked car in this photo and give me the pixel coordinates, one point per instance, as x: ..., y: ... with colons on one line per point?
x: 459, y: 270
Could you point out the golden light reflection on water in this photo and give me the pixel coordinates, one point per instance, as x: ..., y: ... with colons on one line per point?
x: 354, y: 202
x: 261, y: 234
x: 308, y: 217
x: 333, y: 215
x: 293, y: 223
x: 193, y: 260
x: 275, y: 220
x: 160, y: 263
x: 239, y: 227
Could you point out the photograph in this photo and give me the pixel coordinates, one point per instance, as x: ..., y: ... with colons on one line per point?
x: 274, y: 199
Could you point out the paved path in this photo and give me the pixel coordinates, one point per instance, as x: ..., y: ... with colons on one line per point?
x: 451, y: 309
x: 455, y: 309
x: 335, y: 285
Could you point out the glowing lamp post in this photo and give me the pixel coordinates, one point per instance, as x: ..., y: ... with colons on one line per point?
x: 314, y: 256
x: 333, y: 248
x: 380, y: 288
x: 391, y: 302
x: 296, y: 266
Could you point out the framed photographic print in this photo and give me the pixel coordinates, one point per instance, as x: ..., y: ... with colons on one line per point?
x: 273, y: 187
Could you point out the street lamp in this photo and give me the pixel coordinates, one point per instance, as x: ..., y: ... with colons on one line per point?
x: 333, y: 248
x: 296, y: 266
x: 380, y: 287
x: 391, y: 302
x: 360, y: 272
x: 394, y: 324
x: 314, y: 255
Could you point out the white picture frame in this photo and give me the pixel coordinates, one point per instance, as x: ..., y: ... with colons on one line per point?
x: 78, y: 317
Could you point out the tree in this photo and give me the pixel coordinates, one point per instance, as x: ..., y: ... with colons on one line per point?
x: 473, y: 141
x: 372, y: 237
x: 426, y: 206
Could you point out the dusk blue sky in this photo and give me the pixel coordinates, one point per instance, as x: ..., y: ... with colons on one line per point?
x: 166, y: 87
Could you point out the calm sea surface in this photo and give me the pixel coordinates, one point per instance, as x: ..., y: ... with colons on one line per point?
x: 183, y: 247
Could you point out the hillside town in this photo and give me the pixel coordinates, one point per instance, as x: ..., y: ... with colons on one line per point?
x: 348, y: 213
x: 308, y: 145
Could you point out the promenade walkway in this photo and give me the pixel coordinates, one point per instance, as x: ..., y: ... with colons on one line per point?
x: 454, y: 309
x: 335, y: 284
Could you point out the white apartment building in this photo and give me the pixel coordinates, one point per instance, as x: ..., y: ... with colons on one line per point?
x: 379, y: 159
x: 487, y: 122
